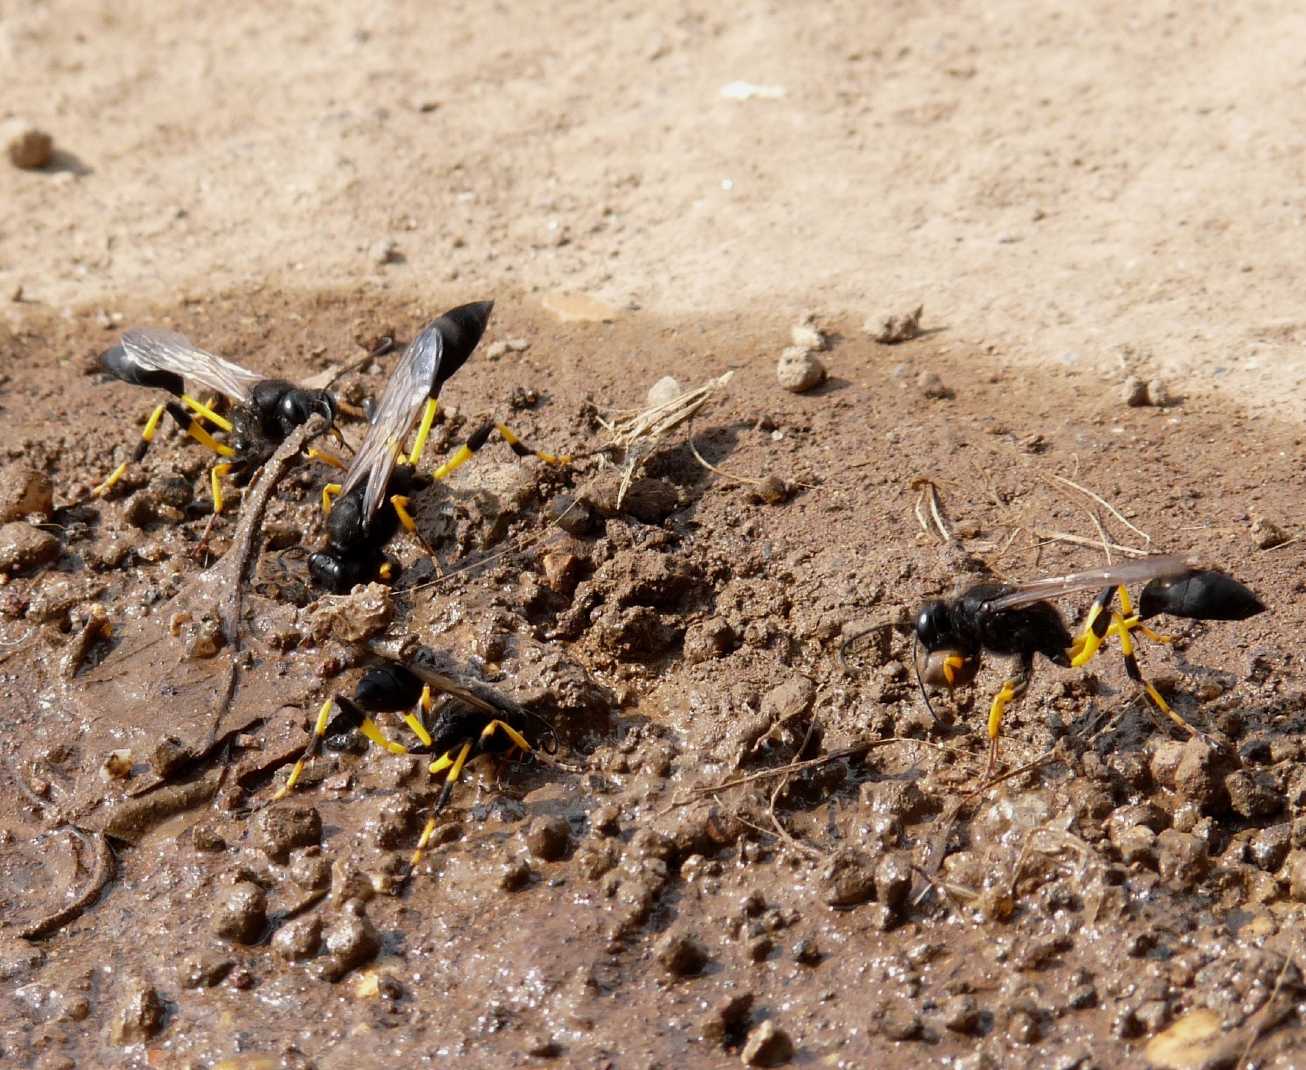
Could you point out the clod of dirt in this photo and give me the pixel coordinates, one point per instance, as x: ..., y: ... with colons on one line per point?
x: 890, y: 330
x: 893, y: 878
x: 27, y: 146
x: 310, y: 869
x: 663, y: 391
x: 169, y: 755
x: 1197, y: 1039
x: 1294, y: 870
x: 898, y: 1022
x: 355, y: 617
x: 799, y: 370
x: 203, y: 638
x: 24, y: 491
x: 680, y: 954
x: 1136, y: 844
x: 1181, y: 858
x: 515, y: 875
x: 1265, y: 532
x: 960, y: 1014
x: 298, y: 939
x: 807, y: 335
x: 726, y: 1024
x: 847, y: 879
x: 934, y: 388
x: 543, y: 1047
x: 767, y: 1045
x: 23, y: 547
x: 709, y: 639
x: 648, y: 500
x: 633, y: 634
x: 548, y: 837
x: 280, y: 829
x: 1133, y: 392
x: 140, y: 1017
x: 1269, y: 846
x: 203, y: 970
x: 901, y: 799
x: 55, y: 595
x: 807, y: 952
x: 574, y: 516
x: 1253, y: 796
x: 204, y: 837
x: 241, y: 913
x: 351, y: 941
x: 562, y: 571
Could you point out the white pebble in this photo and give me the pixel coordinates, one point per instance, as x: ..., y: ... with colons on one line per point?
x: 664, y: 390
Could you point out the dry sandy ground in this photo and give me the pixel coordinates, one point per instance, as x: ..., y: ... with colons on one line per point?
x: 1120, y: 184
x: 1075, y: 196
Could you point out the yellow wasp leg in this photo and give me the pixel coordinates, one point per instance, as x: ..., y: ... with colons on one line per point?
x: 220, y: 422
x: 315, y: 740
x: 455, y: 767
x: 418, y: 729
x: 950, y: 666
x: 1136, y: 674
x: 373, y: 733
x: 329, y: 492
x: 197, y: 432
x: 325, y: 457
x: 215, y: 481
x: 522, y: 450
x: 423, y: 430
x: 518, y: 740
x: 456, y: 460
x: 426, y: 698
x: 400, y: 504
x: 147, y: 436
x: 1088, y: 642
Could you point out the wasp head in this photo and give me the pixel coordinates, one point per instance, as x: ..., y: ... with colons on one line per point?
x: 298, y: 405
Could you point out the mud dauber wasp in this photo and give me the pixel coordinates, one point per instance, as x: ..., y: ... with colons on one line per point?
x: 466, y: 727
x: 367, y: 506
x: 1018, y: 621
x: 264, y: 410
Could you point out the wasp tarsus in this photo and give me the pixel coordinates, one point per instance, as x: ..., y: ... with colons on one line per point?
x: 1019, y: 621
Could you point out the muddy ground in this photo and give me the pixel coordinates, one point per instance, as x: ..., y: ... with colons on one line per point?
x: 614, y: 904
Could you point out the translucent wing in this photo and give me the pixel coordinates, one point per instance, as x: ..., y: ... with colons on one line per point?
x: 172, y: 352
x: 1147, y: 568
x: 396, y: 413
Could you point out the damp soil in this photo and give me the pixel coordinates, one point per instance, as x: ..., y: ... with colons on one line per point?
x: 661, y: 891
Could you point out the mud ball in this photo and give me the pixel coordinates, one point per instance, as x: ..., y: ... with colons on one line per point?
x: 799, y: 370
x: 680, y: 954
x: 140, y: 1017
x: 298, y: 939
x: 350, y: 941
x: 847, y: 879
x: 548, y: 837
x: 23, y: 547
x: 242, y: 913
x: 27, y: 146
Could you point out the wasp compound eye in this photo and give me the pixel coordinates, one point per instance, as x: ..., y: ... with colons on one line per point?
x: 947, y: 668
x: 932, y: 625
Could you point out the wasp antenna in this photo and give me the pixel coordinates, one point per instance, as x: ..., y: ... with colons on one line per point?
x: 553, y: 732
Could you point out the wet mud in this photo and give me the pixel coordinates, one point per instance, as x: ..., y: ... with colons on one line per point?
x: 745, y: 847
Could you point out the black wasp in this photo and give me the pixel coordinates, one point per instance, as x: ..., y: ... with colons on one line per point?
x: 467, y: 726
x: 1018, y: 621
x: 264, y: 411
x: 368, y: 505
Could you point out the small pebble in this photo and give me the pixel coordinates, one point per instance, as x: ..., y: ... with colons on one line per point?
x: 960, y: 1014
x: 515, y: 875
x: 663, y: 391
x: 1134, y: 392
x: 807, y: 335
x: 727, y: 1022
x: 807, y: 952
x: 767, y: 1045
x: 350, y: 941
x: 28, y: 146
x: 203, y: 970
x: 799, y: 370
x: 1158, y: 393
x: 1266, y: 534
x: 384, y: 251
x: 770, y: 491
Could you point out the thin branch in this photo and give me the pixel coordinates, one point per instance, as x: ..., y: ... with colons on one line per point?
x: 1105, y: 505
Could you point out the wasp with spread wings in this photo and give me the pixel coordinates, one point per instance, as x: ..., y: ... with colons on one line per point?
x: 264, y: 411
x: 366, y: 508
x: 1019, y: 621
x: 472, y: 722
